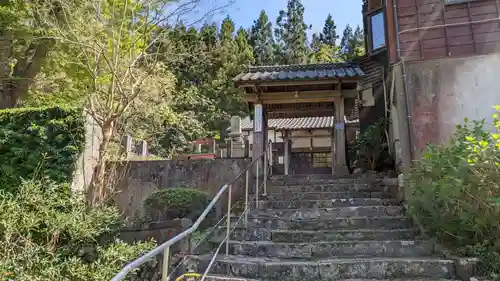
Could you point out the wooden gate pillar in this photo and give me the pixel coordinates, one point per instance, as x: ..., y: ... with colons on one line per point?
x: 340, y: 155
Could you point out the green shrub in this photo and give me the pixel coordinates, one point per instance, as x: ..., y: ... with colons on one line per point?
x: 454, y: 192
x: 46, y: 236
x: 371, y: 143
x: 40, y: 143
x: 173, y: 203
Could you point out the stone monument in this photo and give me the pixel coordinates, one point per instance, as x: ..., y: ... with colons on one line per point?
x: 236, y: 137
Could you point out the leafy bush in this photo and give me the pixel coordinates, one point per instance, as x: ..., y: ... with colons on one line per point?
x: 39, y: 143
x: 46, y: 236
x: 372, y: 142
x: 173, y: 203
x: 454, y: 192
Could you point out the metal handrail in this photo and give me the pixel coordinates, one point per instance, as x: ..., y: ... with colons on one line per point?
x: 165, y: 247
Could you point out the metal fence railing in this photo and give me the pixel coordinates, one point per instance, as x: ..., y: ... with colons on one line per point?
x: 256, y: 165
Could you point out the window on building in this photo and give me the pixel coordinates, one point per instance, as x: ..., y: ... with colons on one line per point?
x: 322, y: 159
x: 377, y: 30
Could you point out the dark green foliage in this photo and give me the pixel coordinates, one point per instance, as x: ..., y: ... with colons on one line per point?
x: 173, y: 203
x: 46, y: 236
x: 40, y: 143
x: 352, y: 43
x: 329, y: 35
x: 291, y: 33
x: 454, y: 192
x: 262, y: 40
x: 204, y: 62
x: 372, y: 142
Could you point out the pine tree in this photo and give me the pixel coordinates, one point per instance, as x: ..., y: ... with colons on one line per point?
x: 352, y: 43
x: 209, y: 36
x: 244, y: 48
x: 291, y: 33
x: 329, y: 35
x: 359, y: 41
x: 227, y: 29
x: 262, y: 41
x: 324, y: 45
x: 347, y: 37
x: 316, y: 42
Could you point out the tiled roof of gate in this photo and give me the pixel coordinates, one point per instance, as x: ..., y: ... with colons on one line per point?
x: 296, y: 123
x: 300, y: 72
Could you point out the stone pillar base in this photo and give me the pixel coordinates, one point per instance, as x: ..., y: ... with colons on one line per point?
x: 341, y: 171
x: 238, y: 149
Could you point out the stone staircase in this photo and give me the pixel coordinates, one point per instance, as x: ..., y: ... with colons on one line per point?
x: 314, y: 228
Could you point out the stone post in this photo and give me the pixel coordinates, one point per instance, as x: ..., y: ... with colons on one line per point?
x: 229, y: 148
x: 197, y: 148
x: 126, y: 146
x: 214, y: 146
x: 142, y: 148
x: 286, y: 156
x: 247, y: 147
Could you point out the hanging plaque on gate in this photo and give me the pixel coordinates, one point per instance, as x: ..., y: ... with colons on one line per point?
x: 257, y: 120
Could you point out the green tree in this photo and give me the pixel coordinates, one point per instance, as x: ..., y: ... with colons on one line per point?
x: 352, y: 43
x: 329, y: 35
x: 359, y: 41
x: 324, y: 53
x: 324, y: 47
x: 291, y: 34
x: 24, y: 46
x: 127, y: 87
x: 204, y: 86
x: 262, y: 40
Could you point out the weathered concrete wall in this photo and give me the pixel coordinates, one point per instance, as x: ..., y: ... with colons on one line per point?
x: 138, y: 179
x: 444, y: 92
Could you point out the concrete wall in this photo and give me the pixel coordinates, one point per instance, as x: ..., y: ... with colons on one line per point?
x: 444, y: 92
x: 138, y: 179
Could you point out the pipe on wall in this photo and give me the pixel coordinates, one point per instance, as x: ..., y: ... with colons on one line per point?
x: 405, y: 86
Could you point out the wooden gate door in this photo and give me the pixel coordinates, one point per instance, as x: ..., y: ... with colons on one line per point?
x: 311, y: 162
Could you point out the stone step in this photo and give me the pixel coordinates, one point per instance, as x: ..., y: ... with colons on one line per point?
x: 332, y: 203
x: 215, y: 277
x: 228, y: 278
x: 315, y: 180
x: 298, y: 236
x: 293, y: 196
x: 359, y: 234
x: 328, y: 187
x: 329, y: 213
x: 274, y: 269
x: 314, y: 250
x: 381, y: 222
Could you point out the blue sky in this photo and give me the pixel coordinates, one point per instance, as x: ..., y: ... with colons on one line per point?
x: 344, y: 12
x: 244, y: 12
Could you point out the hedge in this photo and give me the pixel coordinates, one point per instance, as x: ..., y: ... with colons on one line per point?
x: 40, y: 143
x: 173, y: 203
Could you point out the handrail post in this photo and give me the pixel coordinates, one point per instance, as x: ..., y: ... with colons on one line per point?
x: 265, y: 171
x: 164, y: 270
x: 257, y: 183
x: 247, y: 175
x: 228, y: 230
x: 270, y: 147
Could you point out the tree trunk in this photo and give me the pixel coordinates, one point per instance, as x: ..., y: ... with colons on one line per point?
x: 98, y: 191
x: 16, y: 87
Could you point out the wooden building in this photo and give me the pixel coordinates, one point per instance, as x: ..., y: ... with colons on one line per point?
x: 309, y: 108
x: 441, y: 62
